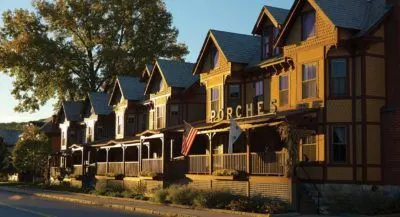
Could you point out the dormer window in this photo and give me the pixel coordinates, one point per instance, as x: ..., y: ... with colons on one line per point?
x: 211, y: 60
x: 270, y: 34
x: 308, y: 25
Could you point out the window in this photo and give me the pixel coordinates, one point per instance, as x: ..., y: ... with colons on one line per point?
x: 119, y: 124
x: 283, y: 90
x: 309, y: 148
x: 308, y: 25
x: 215, y: 99
x: 309, y: 80
x: 174, y: 110
x: 339, y: 144
x: 259, y: 94
x: 267, y: 43
x: 131, y: 119
x: 234, y: 95
x: 100, y: 131
x: 338, y: 77
x: 214, y: 57
x: 277, y: 50
x: 160, y: 117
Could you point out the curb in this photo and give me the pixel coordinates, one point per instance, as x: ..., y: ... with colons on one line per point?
x: 132, y: 208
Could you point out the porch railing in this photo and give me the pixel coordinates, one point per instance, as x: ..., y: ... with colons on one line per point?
x: 198, y: 164
x: 230, y: 161
x: 116, y: 168
x: 131, y: 168
x: 77, y: 170
x: 260, y: 163
x: 268, y: 163
x: 101, y: 168
x: 152, y: 165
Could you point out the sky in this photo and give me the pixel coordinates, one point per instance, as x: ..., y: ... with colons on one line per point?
x: 193, y: 18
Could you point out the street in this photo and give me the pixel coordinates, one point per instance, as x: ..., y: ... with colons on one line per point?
x: 22, y: 205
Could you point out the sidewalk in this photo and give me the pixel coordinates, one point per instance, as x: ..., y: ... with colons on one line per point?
x: 131, y: 204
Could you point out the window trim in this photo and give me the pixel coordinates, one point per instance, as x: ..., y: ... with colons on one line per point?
x: 157, y: 126
x: 303, y: 14
x: 310, y: 144
x: 288, y: 90
x: 347, y: 145
x: 217, y: 100
x: 316, y: 80
x: 347, y: 87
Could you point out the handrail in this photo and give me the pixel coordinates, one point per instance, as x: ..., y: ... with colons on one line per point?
x: 315, y: 187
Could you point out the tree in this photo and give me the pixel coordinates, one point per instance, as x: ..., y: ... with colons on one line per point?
x: 31, y: 152
x: 66, y: 48
x: 4, y: 156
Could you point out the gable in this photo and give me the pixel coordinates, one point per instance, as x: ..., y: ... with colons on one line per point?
x: 270, y: 16
x: 116, y: 96
x: 212, y: 55
x: 156, y: 82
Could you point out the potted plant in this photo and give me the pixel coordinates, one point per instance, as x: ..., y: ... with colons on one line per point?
x: 148, y: 175
x: 225, y: 174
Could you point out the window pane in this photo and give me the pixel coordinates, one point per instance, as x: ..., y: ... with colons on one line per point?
x: 259, y: 88
x: 283, y: 83
x: 339, y: 134
x: 234, y: 91
x: 338, y: 77
x: 339, y: 142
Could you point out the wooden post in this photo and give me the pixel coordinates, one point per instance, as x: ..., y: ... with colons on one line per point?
x: 210, y: 161
x: 171, y: 154
x: 248, y: 154
x: 140, y: 155
x: 123, y: 157
x: 162, y: 154
x: 107, y: 149
x: 83, y: 162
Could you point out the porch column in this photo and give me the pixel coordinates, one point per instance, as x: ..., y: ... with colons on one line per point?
x: 210, y: 160
x: 162, y: 153
x: 171, y: 150
x: 248, y: 154
x: 123, y: 157
x: 83, y: 161
x: 140, y: 155
x: 107, y: 149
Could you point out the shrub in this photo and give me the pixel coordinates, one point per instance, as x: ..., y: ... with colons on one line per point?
x: 160, y: 196
x: 182, y: 195
x: 225, y: 172
x: 119, y: 176
x: 109, y: 189
x: 214, y: 199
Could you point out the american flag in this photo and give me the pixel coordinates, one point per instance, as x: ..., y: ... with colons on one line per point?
x: 188, y: 137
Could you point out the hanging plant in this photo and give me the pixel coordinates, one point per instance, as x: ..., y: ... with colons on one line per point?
x: 291, y: 136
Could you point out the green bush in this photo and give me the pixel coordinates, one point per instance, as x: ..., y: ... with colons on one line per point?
x: 182, y: 195
x: 225, y: 172
x: 109, y: 189
x: 160, y: 196
x: 214, y: 199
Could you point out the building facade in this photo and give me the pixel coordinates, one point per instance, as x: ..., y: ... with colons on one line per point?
x: 325, y: 73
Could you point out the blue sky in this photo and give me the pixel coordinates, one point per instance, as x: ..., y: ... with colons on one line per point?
x: 193, y: 18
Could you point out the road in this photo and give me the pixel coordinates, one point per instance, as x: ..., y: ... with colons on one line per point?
x: 20, y: 205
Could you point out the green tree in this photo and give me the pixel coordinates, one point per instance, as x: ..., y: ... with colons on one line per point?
x: 31, y: 152
x: 65, y: 48
x: 4, y: 156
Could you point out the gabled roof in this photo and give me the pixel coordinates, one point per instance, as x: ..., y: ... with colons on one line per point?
x: 147, y: 72
x: 10, y: 137
x: 237, y: 48
x: 176, y: 73
x: 354, y: 14
x: 131, y: 88
x: 73, y: 110
x: 276, y: 15
x: 99, y: 102
x: 359, y: 15
x: 51, y: 125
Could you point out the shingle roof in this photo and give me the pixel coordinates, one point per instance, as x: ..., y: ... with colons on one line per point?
x: 50, y: 125
x: 279, y: 14
x: 354, y: 14
x: 73, y: 110
x: 131, y: 87
x: 10, y: 137
x: 177, y: 73
x: 99, y: 102
x: 238, y: 48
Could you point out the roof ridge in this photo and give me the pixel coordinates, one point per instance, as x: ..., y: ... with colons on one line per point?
x: 174, y: 61
x: 268, y: 6
x: 234, y: 33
